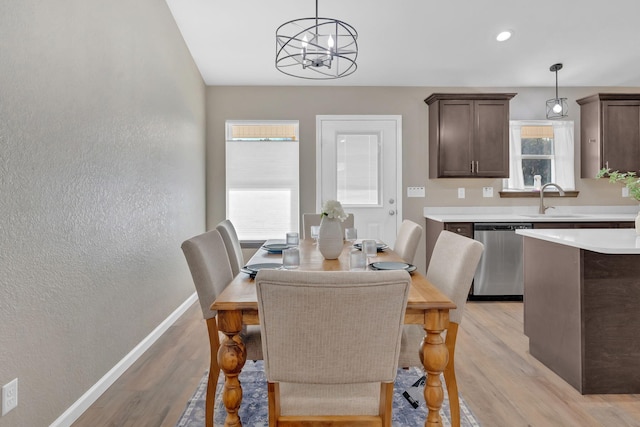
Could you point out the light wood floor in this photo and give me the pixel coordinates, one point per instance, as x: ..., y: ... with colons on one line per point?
x: 501, y: 383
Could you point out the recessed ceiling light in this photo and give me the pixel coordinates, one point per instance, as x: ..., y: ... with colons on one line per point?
x: 504, y: 35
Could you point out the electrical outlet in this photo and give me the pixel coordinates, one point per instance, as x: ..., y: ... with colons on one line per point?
x: 9, y: 396
x: 415, y: 191
x: 487, y: 191
x: 461, y: 193
x: 625, y: 191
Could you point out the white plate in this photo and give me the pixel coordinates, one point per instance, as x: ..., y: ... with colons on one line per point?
x: 387, y: 265
x: 253, y: 269
x: 275, y: 248
x: 381, y: 246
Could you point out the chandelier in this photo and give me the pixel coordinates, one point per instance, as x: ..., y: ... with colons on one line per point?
x: 316, y: 48
x: 557, y: 108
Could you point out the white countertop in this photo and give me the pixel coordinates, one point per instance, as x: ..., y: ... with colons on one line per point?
x: 530, y: 214
x: 602, y: 240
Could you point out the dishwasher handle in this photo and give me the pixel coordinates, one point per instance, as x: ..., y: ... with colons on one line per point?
x: 493, y: 226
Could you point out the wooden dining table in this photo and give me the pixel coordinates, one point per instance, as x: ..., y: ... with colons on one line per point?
x: 237, y: 305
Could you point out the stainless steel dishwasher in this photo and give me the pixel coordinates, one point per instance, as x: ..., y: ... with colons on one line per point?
x: 499, y: 273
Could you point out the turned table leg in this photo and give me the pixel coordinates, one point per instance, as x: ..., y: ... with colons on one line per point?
x: 436, y: 357
x: 231, y: 357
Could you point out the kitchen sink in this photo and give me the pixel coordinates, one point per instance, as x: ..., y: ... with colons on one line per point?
x: 555, y: 216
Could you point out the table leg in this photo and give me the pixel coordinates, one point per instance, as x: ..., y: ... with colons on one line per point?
x: 231, y: 357
x: 436, y: 357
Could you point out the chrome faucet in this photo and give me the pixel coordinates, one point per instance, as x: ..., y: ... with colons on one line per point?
x: 543, y: 208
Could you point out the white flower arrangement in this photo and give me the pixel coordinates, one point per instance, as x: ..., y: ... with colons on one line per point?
x: 333, y: 209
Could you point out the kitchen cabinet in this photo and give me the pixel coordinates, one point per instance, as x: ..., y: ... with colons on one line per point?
x: 609, y: 133
x: 580, y: 307
x: 462, y: 228
x: 469, y: 135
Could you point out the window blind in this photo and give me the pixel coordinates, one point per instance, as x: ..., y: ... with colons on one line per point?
x: 262, y: 183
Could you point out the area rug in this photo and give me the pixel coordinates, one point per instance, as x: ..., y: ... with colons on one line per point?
x: 254, y: 409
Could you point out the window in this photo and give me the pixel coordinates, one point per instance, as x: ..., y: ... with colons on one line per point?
x: 262, y: 189
x: 542, y: 148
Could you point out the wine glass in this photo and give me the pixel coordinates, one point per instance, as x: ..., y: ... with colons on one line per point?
x: 315, y: 232
x: 350, y: 234
x: 370, y: 249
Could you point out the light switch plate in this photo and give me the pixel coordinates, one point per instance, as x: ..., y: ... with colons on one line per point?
x: 461, y: 193
x: 487, y: 191
x: 415, y: 191
x: 625, y: 191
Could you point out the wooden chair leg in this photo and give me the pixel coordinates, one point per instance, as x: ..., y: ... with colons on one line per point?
x: 386, y: 403
x: 273, y: 398
x: 450, y: 375
x: 214, y: 371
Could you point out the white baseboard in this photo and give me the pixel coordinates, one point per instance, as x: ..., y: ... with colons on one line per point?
x: 74, y: 411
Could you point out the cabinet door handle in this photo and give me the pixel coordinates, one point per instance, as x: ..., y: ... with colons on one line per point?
x: 471, y: 167
x: 606, y: 164
x: 477, y: 169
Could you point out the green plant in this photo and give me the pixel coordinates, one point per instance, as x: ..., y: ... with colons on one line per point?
x: 630, y: 179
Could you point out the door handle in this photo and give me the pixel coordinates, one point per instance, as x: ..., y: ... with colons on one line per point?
x: 392, y: 212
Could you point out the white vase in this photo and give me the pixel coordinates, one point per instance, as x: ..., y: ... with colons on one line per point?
x: 638, y: 224
x: 330, y: 238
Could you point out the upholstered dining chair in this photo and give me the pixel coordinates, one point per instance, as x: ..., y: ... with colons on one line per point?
x: 451, y: 269
x: 309, y: 219
x: 231, y: 242
x: 407, y: 240
x: 208, y: 262
x: 318, y: 370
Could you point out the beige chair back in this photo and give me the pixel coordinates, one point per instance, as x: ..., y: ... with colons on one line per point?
x: 407, y: 240
x: 231, y: 242
x: 331, y: 330
x: 208, y: 261
x: 452, y: 266
x: 309, y: 219
x: 451, y: 269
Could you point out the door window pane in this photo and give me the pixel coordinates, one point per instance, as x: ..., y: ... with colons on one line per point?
x: 358, y: 169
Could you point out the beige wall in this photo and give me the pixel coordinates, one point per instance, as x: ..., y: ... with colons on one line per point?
x: 101, y: 178
x: 304, y: 103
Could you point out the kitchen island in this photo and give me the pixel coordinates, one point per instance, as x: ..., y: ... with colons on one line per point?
x: 582, y: 306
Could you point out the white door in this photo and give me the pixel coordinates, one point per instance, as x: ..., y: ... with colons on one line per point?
x: 358, y: 164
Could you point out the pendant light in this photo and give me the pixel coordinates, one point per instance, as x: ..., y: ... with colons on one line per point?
x: 316, y: 48
x: 557, y: 108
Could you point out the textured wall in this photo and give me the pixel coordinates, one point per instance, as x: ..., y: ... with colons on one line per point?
x: 304, y: 103
x: 101, y: 179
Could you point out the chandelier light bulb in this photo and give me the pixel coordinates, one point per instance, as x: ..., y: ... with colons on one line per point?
x: 305, y: 41
x: 504, y: 36
x: 330, y: 42
x: 557, y: 108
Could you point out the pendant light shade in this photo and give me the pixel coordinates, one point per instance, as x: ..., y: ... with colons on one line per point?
x: 316, y: 48
x: 557, y: 108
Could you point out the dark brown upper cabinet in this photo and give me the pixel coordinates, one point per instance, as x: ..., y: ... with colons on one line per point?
x: 469, y: 135
x: 609, y: 133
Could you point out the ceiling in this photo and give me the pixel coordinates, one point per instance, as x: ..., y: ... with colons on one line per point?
x: 426, y: 42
